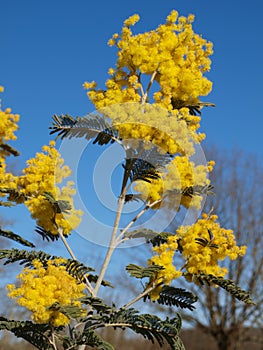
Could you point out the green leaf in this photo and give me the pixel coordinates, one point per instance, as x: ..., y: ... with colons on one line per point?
x: 8, y: 150
x: 153, y: 237
x: 93, y: 339
x: 59, y: 206
x: 71, y: 311
x: 16, y: 237
x: 142, y: 272
x: 35, y: 334
x: 144, y: 164
x: 25, y: 257
x: 97, y: 304
x: 75, y: 268
x: 46, y: 235
x: 226, y: 284
x: 178, y: 297
x: 149, y: 326
x: 91, y: 126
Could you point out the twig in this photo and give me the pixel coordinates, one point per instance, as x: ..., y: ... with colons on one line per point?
x: 60, y: 232
x: 126, y: 228
x: 144, y: 97
x: 148, y: 290
x: 113, y: 244
x: 53, y: 341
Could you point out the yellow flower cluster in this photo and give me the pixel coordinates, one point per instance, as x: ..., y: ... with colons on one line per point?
x: 203, y: 251
x: 171, y: 60
x: 172, y: 55
x: 42, y: 286
x: 202, y: 246
x: 43, y: 174
x: 8, y: 126
x: 171, y: 187
x: 164, y: 257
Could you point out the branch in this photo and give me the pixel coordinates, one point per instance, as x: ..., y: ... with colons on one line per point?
x: 88, y: 285
x: 126, y: 228
x: 113, y: 242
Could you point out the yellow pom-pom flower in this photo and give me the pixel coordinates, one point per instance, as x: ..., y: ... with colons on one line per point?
x: 42, y: 175
x: 42, y: 286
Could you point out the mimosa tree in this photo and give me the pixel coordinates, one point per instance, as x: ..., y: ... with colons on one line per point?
x: 150, y: 107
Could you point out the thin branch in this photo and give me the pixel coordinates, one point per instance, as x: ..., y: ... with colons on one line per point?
x: 113, y: 242
x: 88, y: 285
x: 126, y: 228
x: 140, y: 296
x: 144, y: 97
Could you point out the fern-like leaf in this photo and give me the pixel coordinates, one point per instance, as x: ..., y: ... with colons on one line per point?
x: 194, y: 107
x: 149, y: 326
x: 142, y: 272
x: 71, y: 311
x: 153, y: 237
x: 132, y: 197
x: 14, y: 195
x: 156, y: 238
x: 90, y: 126
x: 144, y: 164
x: 59, y: 206
x: 93, y: 339
x: 75, y: 268
x: 16, y: 237
x: 178, y: 297
x: 198, y: 190
x: 23, y: 256
x: 46, y: 235
x: 35, y: 334
x: 226, y: 284
x: 8, y: 150
x: 97, y: 304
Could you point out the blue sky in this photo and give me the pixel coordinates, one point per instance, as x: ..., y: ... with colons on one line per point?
x: 49, y: 48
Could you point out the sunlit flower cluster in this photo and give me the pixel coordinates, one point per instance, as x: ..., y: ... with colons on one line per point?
x: 163, y: 256
x: 43, y: 174
x: 172, y: 56
x: 171, y: 188
x: 42, y: 286
x: 204, y: 256
x: 202, y: 245
x: 8, y: 127
x: 164, y: 67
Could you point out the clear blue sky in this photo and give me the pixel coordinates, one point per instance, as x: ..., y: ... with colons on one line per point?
x: 49, y: 48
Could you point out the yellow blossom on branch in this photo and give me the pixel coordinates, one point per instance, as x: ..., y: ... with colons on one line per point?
x: 43, y: 174
x: 8, y: 127
x: 163, y: 256
x: 172, y: 55
x: 205, y: 243
x: 42, y: 286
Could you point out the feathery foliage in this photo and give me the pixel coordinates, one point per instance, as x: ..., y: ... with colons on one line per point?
x: 142, y: 272
x: 15, y: 237
x: 226, y: 284
x: 36, y: 334
x: 89, y: 127
x: 178, y: 297
x: 151, y: 236
x: 149, y: 326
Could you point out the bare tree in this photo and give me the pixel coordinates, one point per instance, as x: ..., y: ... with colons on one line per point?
x: 238, y: 181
